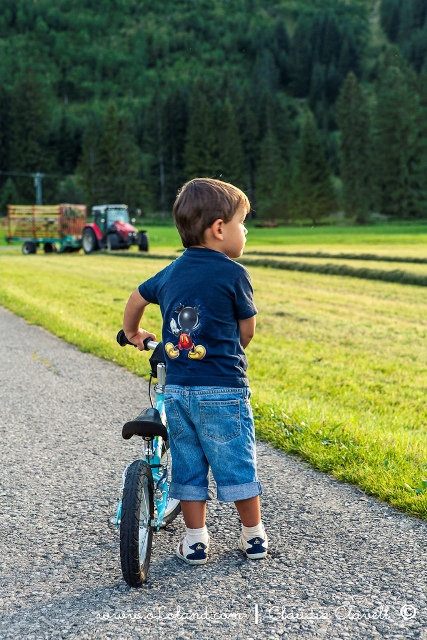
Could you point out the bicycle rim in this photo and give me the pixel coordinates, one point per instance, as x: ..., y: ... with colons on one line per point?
x: 144, y: 520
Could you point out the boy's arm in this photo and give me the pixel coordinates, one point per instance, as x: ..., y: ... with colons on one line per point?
x: 133, y: 313
x: 247, y: 330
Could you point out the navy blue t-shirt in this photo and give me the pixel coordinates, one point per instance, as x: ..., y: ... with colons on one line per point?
x: 202, y: 296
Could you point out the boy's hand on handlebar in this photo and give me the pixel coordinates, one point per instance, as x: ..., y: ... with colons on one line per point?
x: 138, y: 338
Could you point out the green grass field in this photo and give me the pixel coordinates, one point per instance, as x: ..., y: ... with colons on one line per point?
x: 338, y: 367
x: 385, y: 237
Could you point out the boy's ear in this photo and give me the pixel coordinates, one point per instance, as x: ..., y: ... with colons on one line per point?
x: 216, y: 229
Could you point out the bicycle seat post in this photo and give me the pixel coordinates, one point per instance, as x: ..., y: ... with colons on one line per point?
x: 161, y: 378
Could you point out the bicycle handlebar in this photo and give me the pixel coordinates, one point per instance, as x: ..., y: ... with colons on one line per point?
x: 149, y: 344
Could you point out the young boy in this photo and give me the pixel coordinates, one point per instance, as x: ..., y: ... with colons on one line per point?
x: 206, y: 300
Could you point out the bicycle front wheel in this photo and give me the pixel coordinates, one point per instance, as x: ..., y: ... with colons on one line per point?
x: 136, y: 532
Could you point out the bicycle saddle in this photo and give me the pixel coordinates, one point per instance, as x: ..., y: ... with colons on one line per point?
x: 147, y: 425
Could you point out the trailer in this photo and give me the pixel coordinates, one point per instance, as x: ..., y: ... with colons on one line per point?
x: 48, y: 226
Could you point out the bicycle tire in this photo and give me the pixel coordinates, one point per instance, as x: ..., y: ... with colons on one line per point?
x: 173, y: 508
x: 136, y: 532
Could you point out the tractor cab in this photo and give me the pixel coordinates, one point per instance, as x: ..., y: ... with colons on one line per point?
x: 105, y: 216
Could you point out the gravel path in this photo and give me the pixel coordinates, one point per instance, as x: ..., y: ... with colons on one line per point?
x: 341, y: 565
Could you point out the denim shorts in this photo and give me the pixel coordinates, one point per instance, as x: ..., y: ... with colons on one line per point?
x: 211, y: 427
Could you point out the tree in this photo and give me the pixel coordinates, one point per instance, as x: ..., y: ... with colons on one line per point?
x: 314, y: 196
x: 356, y: 167
x: 87, y: 168
x: 265, y: 72
x: 302, y: 56
x: 117, y: 165
x: 230, y: 151
x: 29, y: 131
x: 70, y: 191
x: 8, y: 195
x: 416, y: 49
x: 329, y: 38
x: 163, y: 137
x: 156, y: 136
x: 317, y: 85
x: 175, y: 118
x: 400, y: 143
x: 4, y: 129
x: 389, y: 12
x: 349, y: 58
x: 268, y: 173
x: 67, y: 145
x: 276, y: 112
x: 281, y: 50
x: 249, y: 128
x: 108, y: 167
x: 412, y: 16
x: 201, y: 149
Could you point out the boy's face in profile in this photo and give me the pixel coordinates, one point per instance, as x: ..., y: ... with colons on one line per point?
x: 234, y: 234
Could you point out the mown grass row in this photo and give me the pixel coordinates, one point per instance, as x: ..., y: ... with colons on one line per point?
x: 371, y: 257
x: 384, y: 275
x: 395, y: 275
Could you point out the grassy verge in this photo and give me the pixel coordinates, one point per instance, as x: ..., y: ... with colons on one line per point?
x: 338, y: 366
x: 348, y: 361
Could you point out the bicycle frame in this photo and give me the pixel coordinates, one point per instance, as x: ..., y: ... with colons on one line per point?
x: 152, y: 454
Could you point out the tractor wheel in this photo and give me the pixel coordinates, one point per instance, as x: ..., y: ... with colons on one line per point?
x: 143, y: 241
x: 50, y: 247
x: 89, y: 241
x: 29, y: 247
x: 113, y: 241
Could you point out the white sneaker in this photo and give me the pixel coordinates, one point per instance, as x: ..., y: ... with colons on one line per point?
x: 196, y: 553
x: 255, y: 548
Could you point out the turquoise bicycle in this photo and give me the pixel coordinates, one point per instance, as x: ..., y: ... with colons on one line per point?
x: 145, y: 506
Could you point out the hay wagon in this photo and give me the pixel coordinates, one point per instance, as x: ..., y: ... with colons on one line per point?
x: 50, y: 226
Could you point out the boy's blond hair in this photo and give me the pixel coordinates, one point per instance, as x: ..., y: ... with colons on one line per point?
x: 202, y: 201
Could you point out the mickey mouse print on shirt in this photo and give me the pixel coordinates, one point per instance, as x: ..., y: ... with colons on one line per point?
x: 186, y: 324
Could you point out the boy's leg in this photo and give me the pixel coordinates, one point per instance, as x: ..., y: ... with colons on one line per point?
x: 189, y: 476
x: 249, y: 511
x: 226, y: 432
x: 253, y: 539
x: 194, y: 513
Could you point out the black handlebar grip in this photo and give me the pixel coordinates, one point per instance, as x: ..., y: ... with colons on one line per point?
x: 122, y: 340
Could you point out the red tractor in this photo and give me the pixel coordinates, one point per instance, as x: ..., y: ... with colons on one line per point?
x: 112, y: 230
